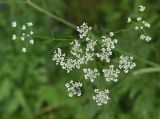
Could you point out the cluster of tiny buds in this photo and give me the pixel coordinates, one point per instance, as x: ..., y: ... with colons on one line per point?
x: 74, y: 88
x: 101, y: 97
x: 126, y: 63
x: 90, y: 74
x: 25, y: 34
x: 141, y: 24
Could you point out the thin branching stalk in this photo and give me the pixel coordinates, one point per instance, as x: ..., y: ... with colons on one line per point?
x: 147, y: 70
x: 33, y: 5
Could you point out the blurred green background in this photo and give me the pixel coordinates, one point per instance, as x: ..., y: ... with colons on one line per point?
x: 32, y: 86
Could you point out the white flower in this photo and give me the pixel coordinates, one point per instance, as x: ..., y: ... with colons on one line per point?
x: 111, y: 34
x: 90, y: 46
x: 141, y: 8
x: 69, y: 64
x: 142, y: 37
x: 14, y: 24
x: 24, y: 27
x: 136, y: 28
x: 24, y: 50
x: 141, y: 27
x: 129, y: 20
x: 75, y: 48
x: 88, y: 57
x: 90, y: 74
x: 111, y: 74
x: 148, y: 38
x: 23, y: 34
x: 83, y: 30
x: 74, y: 88
x: 22, y: 38
x: 147, y: 25
x: 108, y: 43
x: 58, y: 57
x: 79, y: 62
x: 139, y: 19
x: 31, y: 41
x: 107, y: 46
x: 143, y: 22
x: 126, y: 63
x: 14, y: 37
x: 30, y: 24
x: 31, y: 32
x: 101, y: 97
x: 104, y: 55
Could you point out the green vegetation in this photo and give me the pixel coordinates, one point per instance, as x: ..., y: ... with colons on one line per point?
x: 32, y: 86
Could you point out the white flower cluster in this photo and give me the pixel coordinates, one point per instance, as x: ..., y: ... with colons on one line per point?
x: 146, y: 38
x: 59, y: 58
x: 91, y: 44
x: 111, y: 74
x: 80, y: 56
x: 141, y: 8
x: 101, y: 97
x: 89, y: 53
x: 83, y: 30
x: 25, y: 35
x: 90, y: 74
x: 141, y: 24
x: 126, y: 63
x: 76, y: 50
x: 74, y: 88
x: 107, y: 45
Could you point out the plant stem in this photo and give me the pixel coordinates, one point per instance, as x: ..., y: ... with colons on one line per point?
x: 20, y: 1
x: 52, y: 39
x: 33, y: 5
x: 147, y: 70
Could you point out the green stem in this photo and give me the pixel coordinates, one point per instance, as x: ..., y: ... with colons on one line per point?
x: 146, y: 70
x: 123, y: 30
x: 6, y: 1
x: 33, y: 5
x: 52, y: 39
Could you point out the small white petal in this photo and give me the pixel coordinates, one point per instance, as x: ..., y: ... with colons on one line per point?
x: 14, y: 24
x: 22, y: 38
x: 129, y: 20
x: 30, y: 24
x: 24, y: 50
x: 13, y: 37
x: 111, y: 34
x: 23, y: 27
x: 31, y: 41
x: 31, y: 32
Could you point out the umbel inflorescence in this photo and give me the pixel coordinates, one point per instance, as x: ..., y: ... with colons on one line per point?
x: 24, y: 34
x: 83, y: 56
x: 87, y: 49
